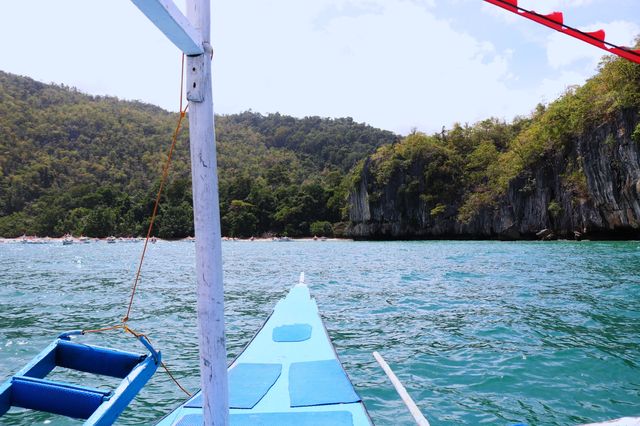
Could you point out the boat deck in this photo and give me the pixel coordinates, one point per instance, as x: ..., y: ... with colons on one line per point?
x: 289, y: 374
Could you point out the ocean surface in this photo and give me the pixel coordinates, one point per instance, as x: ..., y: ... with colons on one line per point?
x: 479, y: 332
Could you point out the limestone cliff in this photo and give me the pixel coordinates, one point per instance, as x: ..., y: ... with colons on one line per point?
x: 588, y: 186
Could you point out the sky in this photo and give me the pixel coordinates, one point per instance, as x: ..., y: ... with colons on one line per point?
x: 400, y: 65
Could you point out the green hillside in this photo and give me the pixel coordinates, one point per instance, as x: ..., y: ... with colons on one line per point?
x: 571, y: 168
x: 89, y: 165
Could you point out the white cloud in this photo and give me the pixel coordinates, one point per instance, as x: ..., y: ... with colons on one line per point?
x: 500, y: 13
x: 395, y: 64
x: 540, y: 6
x: 563, y: 51
x: 551, y: 88
x: 553, y: 5
x: 397, y: 68
x: 103, y: 48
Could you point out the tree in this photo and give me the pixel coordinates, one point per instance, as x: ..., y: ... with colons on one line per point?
x: 240, y: 220
x: 175, y: 221
x: 321, y: 229
x: 98, y: 222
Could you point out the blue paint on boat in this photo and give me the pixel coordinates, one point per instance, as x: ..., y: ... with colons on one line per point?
x: 309, y: 418
x: 313, y: 359
x: 292, y: 333
x: 54, y: 397
x: 320, y: 383
x: 248, y: 383
x: 30, y: 389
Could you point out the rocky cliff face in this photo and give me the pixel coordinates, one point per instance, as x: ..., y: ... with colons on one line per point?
x: 589, y: 190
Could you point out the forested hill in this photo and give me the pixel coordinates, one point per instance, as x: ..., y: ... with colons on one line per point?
x: 333, y: 143
x: 90, y: 165
x: 569, y: 170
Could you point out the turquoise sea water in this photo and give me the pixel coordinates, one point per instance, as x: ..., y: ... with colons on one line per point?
x: 479, y: 332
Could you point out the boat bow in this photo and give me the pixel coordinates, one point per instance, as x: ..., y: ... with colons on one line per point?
x: 289, y: 374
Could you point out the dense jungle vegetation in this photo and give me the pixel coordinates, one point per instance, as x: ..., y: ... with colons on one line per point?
x: 73, y: 163
x: 89, y: 165
x: 469, y: 167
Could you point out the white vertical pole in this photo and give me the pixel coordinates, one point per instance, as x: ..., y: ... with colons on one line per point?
x: 206, y: 211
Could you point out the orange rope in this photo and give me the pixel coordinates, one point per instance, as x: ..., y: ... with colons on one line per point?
x: 174, y: 379
x: 165, y: 173
x: 99, y: 330
x: 166, y: 369
x: 134, y: 333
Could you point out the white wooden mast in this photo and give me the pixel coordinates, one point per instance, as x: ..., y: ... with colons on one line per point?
x: 192, y: 36
x: 206, y: 211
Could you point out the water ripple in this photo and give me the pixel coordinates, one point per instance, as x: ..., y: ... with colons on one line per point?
x: 479, y: 332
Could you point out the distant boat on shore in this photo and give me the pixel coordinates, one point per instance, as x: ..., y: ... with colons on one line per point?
x: 281, y: 239
x: 31, y: 240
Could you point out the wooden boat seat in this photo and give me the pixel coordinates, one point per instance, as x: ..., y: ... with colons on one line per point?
x: 29, y: 389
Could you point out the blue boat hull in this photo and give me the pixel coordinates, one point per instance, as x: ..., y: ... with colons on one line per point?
x: 289, y: 374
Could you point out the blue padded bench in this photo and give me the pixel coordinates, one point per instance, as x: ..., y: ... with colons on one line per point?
x: 320, y: 383
x: 248, y: 384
